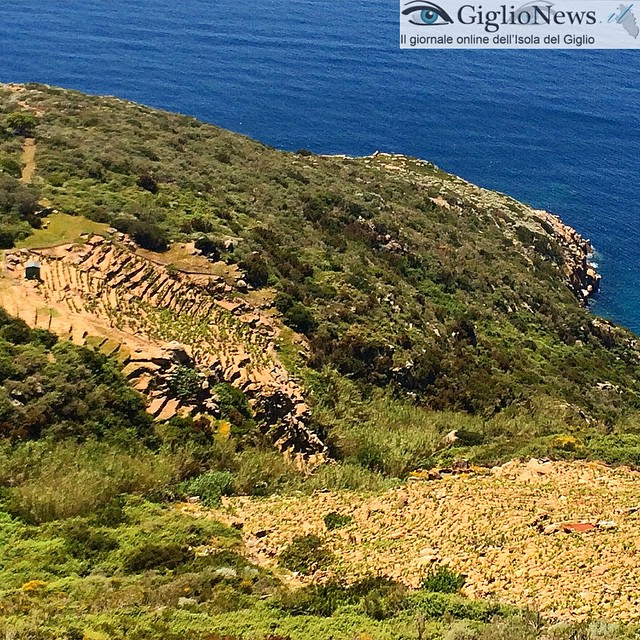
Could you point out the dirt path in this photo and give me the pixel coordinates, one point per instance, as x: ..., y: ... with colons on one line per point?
x: 489, y: 527
x: 28, y: 160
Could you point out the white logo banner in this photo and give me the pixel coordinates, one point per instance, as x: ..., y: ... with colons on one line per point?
x: 538, y: 24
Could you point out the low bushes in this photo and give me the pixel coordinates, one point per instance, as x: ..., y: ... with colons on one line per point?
x: 71, y: 480
x: 155, y: 555
x: 306, y: 554
x: 185, y: 383
x: 443, y: 580
x: 210, y: 487
x: 145, y: 537
x: 376, y: 596
x: 62, y: 391
x: 261, y: 472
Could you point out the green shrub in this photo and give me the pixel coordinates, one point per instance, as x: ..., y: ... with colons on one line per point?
x: 335, y: 520
x: 436, y: 606
x: 156, y: 555
x: 185, y: 383
x: 443, y: 580
x: 211, y: 247
x: 11, y: 166
x: 256, y: 270
x: 306, y: 555
x: 57, y: 179
x: 467, y: 438
x: 283, y: 302
x: 111, y: 514
x: 148, y: 183
x: 370, y: 456
x: 318, y: 599
x: 461, y: 630
x: 145, y: 234
x: 384, y: 603
x: 85, y: 541
x: 210, y: 487
x: 378, y: 597
x: 234, y: 407
x: 21, y: 123
x: 300, y: 318
x: 157, y: 538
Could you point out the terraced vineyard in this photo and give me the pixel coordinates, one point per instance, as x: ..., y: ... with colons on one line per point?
x: 155, y: 319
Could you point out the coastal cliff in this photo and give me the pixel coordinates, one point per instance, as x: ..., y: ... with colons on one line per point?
x: 582, y: 276
x: 570, y: 251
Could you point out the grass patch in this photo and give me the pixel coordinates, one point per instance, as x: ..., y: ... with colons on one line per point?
x: 62, y: 229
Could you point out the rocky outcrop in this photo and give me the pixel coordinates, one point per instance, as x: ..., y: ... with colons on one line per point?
x: 581, y: 275
x: 158, y: 321
x: 464, y: 198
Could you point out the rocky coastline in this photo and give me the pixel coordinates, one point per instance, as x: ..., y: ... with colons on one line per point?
x: 582, y: 276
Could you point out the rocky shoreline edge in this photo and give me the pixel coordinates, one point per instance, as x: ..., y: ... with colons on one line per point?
x: 581, y: 273
x: 576, y: 252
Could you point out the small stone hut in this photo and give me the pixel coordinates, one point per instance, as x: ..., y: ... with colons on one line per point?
x: 32, y: 270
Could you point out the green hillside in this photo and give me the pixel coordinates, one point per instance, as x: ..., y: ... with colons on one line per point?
x: 402, y: 277
x: 416, y: 306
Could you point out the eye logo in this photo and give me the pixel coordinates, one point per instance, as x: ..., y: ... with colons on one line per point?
x: 426, y: 14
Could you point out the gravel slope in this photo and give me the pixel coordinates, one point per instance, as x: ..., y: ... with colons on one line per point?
x: 507, y: 530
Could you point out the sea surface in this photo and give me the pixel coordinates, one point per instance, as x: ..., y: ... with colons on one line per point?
x: 557, y: 129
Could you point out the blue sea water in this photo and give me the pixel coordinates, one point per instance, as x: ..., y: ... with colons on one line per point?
x: 556, y: 129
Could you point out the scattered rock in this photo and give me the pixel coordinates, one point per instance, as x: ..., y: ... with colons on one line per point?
x: 487, y: 528
x: 608, y: 386
x: 507, y: 470
x: 551, y: 528
x: 263, y: 533
x: 422, y: 475
x: 577, y: 527
x: 629, y: 510
x: 541, y: 521
x: 179, y: 352
x: 461, y: 466
x: 403, y: 499
x: 536, y: 469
